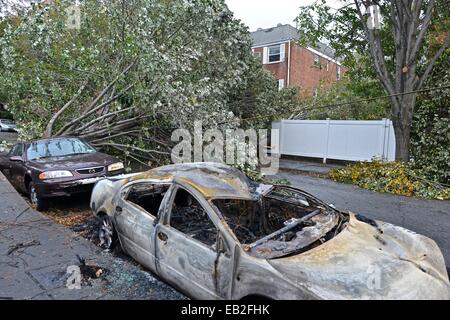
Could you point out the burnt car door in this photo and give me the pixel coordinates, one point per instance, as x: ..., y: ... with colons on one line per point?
x: 191, y: 252
x: 135, y: 214
x: 15, y: 167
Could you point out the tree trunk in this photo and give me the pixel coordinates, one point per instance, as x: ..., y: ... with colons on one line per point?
x: 402, y: 115
x: 402, y: 136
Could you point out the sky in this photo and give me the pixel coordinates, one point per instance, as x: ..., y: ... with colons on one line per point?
x: 268, y: 13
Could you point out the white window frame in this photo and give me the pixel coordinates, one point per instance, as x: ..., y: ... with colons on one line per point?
x: 316, y: 60
x: 280, y: 83
x: 338, y: 73
x: 266, y: 53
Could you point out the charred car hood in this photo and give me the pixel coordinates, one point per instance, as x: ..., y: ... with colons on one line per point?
x: 366, y: 262
x: 87, y: 160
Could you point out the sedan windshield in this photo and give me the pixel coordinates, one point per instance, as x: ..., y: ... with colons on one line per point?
x: 4, y: 121
x: 57, y: 148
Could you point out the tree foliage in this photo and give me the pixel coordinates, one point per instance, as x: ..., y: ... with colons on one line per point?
x: 392, y: 177
x: 430, y: 145
x: 401, y: 51
x: 131, y: 73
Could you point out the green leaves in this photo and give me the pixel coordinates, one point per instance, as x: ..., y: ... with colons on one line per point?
x: 392, y: 177
x: 193, y: 62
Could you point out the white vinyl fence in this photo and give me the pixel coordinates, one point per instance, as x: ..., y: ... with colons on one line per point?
x: 352, y: 140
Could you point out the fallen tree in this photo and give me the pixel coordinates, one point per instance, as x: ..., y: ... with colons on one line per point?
x: 129, y: 72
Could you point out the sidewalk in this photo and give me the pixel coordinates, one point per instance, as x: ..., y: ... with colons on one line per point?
x: 308, y: 166
x: 35, y: 253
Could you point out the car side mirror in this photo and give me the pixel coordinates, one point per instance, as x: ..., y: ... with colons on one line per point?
x: 16, y: 158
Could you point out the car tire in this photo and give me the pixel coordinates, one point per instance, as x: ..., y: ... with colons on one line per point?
x: 107, y: 234
x: 37, y: 201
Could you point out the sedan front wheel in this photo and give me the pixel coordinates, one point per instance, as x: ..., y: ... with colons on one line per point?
x: 36, y: 201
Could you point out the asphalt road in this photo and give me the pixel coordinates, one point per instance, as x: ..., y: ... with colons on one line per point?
x: 428, y: 217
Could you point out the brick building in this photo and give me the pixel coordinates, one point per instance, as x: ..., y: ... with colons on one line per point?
x: 293, y: 65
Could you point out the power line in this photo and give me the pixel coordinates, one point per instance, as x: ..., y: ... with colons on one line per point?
x: 335, y: 105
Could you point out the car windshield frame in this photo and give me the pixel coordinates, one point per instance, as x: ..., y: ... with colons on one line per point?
x: 55, y: 148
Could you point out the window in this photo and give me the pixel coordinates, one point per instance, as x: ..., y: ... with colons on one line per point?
x: 280, y: 84
x: 328, y: 65
x: 316, y: 60
x: 58, y: 148
x: 274, y: 53
x: 338, y: 73
x: 17, y: 150
x: 147, y: 196
x: 189, y: 217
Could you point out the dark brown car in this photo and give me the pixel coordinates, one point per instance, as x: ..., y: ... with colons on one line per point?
x: 56, y: 167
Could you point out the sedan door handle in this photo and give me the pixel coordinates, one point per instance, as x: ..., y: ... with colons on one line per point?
x: 162, y: 236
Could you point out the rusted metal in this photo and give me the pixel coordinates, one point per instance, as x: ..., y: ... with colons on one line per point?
x: 287, y: 228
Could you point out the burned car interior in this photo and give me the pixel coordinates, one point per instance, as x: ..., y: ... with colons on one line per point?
x: 189, y: 217
x: 279, y: 223
x: 148, y: 196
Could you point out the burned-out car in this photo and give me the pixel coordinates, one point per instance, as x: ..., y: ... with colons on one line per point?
x: 209, y: 231
x: 56, y: 167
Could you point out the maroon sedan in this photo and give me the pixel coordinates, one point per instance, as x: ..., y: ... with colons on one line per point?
x: 56, y: 167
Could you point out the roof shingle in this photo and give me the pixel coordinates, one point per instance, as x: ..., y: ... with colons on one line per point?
x: 282, y: 33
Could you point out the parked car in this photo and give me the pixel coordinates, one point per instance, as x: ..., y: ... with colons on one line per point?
x: 212, y: 233
x: 7, y: 125
x: 56, y: 167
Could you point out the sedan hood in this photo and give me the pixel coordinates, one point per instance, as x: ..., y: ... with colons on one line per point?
x: 74, y: 162
x: 370, y: 262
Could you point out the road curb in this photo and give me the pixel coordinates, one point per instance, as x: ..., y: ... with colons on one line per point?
x: 35, y: 253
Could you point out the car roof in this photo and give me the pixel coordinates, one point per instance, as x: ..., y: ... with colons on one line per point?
x: 212, y: 180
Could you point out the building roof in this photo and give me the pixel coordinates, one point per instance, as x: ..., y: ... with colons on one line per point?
x: 212, y: 180
x: 285, y: 32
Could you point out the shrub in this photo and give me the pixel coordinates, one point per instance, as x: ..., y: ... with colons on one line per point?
x: 391, y: 177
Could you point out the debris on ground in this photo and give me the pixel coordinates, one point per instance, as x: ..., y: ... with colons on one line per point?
x: 90, y: 271
x: 23, y: 245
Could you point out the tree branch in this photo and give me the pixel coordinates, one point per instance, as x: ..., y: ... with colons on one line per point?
x: 419, y: 39
x: 108, y: 115
x: 91, y: 108
x: 49, y: 128
x: 419, y: 83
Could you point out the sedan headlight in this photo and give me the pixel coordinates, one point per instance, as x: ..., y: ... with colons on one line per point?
x: 55, y: 174
x: 115, y: 166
